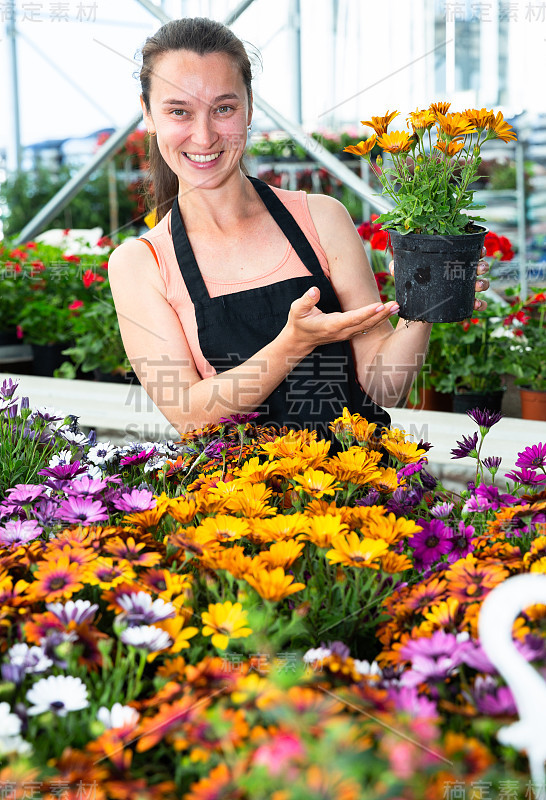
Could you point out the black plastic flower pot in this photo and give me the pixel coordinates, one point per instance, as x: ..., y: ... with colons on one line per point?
x: 485, y: 401
x: 434, y: 275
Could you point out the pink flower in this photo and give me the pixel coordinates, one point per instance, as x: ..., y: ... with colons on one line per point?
x: 75, y: 305
x: 276, y: 755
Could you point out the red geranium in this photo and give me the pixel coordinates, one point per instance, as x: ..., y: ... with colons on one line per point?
x: 90, y: 277
x: 467, y: 322
x: 368, y: 228
x: 380, y: 240
x: 75, y: 305
x: 73, y: 259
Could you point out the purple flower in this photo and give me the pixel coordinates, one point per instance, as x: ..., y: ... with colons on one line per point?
x: 45, y: 512
x: 140, y: 609
x: 442, y: 510
x: 408, y: 700
x: 461, y: 542
x: 137, y: 458
x: 426, y: 446
x: 337, y: 648
x: 239, y: 419
x: 411, y: 469
x: 488, y: 497
x: 492, y: 699
x: 474, y: 656
x: 467, y: 447
x: 532, y: 457
x: 85, y: 486
x: 82, y: 511
x: 371, y: 499
x: 431, y: 543
x: 135, y: 500
x: 405, y: 498
x: 484, y: 418
x: 78, y: 611
x: 63, y: 472
x: 19, y: 532
x: 526, y: 476
x: 8, y: 388
x: 32, y: 659
x: 23, y: 493
x: 492, y: 463
x: 437, y: 646
x: 429, y: 481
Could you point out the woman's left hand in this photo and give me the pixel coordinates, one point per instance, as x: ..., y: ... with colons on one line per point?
x: 481, y: 284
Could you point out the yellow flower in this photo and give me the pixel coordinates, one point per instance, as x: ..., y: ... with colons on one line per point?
x: 256, y: 690
x: 354, y: 425
x: 225, y: 621
x: 224, y: 528
x: 500, y: 129
x: 390, y: 528
x: 252, y: 471
x: 380, y: 124
x: 182, y: 509
x: 450, y: 148
x: 289, y: 445
x: 421, y: 120
x: 317, y: 482
x: 396, y: 142
x: 281, y: 554
x: 406, y: 452
x: 315, y: 452
x: 393, y: 435
x: 386, y: 480
x: 480, y: 119
x: 356, y: 552
x: 355, y: 465
x: 232, y: 559
x: 178, y: 633
x: 455, y: 125
x: 363, y: 148
x: 274, y: 585
x: 279, y: 528
x: 324, y: 529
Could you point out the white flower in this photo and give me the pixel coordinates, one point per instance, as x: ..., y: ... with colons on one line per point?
x: 118, y: 717
x: 33, y: 659
x: 318, y: 654
x: 78, y: 611
x: 14, y: 744
x: 58, y: 693
x: 155, y: 463
x: 10, y: 724
x: 63, y: 458
x: 101, y: 453
x: 372, y: 670
x: 93, y: 471
x: 147, y: 637
x: 140, y: 608
x: 79, y: 439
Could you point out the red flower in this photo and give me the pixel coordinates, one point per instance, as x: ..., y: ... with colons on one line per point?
x: 518, y: 332
x: 32, y: 246
x: 379, y: 240
x: 19, y: 331
x: 491, y: 243
x: 523, y: 317
x: 367, y: 229
x: 540, y: 297
x: 506, y: 248
x: 498, y: 246
x: 75, y: 305
x: 90, y: 277
x: 18, y: 253
x: 467, y: 322
x: 38, y: 266
x: 73, y: 259
x: 104, y: 265
x: 105, y: 241
x: 66, y: 231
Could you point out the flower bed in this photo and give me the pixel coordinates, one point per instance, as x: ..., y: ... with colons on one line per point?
x: 243, y: 615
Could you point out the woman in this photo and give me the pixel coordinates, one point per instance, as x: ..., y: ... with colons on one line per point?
x: 242, y: 297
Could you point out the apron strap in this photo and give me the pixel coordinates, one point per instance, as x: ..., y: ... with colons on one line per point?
x: 288, y: 226
x: 284, y: 219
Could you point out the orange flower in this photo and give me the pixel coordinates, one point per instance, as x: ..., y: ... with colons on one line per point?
x: 386, y: 479
x: 455, y: 125
x: 406, y: 452
x: 380, y: 124
x: 55, y: 580
x: 219, y: 782
x: 224, y: 528
x: 279, y: 528
x: 393, y: 563
x: 421, y: 120
x: 471, y: 581
x: 106, y: 574
x: 317, y: 483
x: 396, y: 142
x: 131, y: 551
x: 324, y: 529
x: 356, y: 465
x: 273, y: 585
x: 439, y: 108
x: 480, y: 119
x: 450, y: 148
x: 171, y: 717
x: 281, y: 554
x: 363, y: 148
x: 500, y: 129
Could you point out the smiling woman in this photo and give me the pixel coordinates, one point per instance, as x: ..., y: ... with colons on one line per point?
x: 244, y: 298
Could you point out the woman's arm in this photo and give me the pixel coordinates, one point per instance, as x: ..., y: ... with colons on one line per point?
x: 158, y: 350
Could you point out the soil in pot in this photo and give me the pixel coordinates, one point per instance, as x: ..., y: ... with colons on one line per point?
x: 434, y: 275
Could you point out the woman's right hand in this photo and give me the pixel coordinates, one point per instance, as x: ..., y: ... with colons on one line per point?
x: 309, y: 327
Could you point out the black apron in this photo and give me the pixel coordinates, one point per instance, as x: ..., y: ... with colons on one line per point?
x: 232, y: 328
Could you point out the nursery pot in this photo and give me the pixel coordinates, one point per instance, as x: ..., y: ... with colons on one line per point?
x: 48, y: 358
x: 490, y: 401
x: 533, y: 404
x: 434, y: 275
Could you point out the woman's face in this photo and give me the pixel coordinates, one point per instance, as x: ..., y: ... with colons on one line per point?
x: 199, y: 110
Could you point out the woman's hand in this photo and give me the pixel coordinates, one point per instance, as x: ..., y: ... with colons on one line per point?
x: 309, y: 327
x: 481, y: 284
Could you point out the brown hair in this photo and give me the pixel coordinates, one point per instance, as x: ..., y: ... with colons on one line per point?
x: 198, y: 35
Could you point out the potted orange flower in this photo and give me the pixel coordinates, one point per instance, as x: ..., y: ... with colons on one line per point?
x: 436, y: 243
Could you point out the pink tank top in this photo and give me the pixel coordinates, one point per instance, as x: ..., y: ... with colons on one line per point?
x: 160, y: 240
